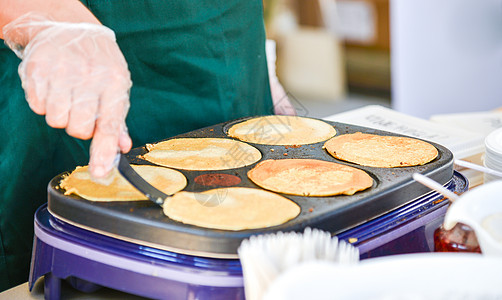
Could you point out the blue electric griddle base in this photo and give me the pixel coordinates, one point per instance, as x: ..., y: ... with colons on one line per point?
x: 89, y: 260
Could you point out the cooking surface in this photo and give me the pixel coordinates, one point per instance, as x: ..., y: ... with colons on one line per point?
x: 144, y: 223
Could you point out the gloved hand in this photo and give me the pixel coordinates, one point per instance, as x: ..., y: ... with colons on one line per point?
x: 75, y: 75
x: 282, y: 104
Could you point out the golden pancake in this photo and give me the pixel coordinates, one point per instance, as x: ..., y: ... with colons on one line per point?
x: 381, y: 151
x: 234, y: 208
x: 79, y: 182
x: 202, y: 154
x: 309, y: 177
x: 282, y: 130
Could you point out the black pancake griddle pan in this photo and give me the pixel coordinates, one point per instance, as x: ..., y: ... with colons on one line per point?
x: 143, y: 222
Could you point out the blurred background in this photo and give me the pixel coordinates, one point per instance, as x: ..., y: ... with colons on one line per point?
x: 421, y: 58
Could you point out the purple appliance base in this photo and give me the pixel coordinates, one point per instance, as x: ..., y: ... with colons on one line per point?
x: 89, y: 260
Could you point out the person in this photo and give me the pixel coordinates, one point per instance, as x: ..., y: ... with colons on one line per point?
x: 124, y: 73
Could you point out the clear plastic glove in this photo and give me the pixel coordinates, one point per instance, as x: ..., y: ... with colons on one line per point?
x: 75, y: 75
x: 282, y: 104
x: 280, y: 99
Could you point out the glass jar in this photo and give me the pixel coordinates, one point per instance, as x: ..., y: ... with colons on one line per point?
x: 460, y: 238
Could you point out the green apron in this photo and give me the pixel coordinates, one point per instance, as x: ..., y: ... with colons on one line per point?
x: 193, y: 63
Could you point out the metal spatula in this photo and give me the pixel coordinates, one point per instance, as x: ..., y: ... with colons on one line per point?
x: 139, y: 183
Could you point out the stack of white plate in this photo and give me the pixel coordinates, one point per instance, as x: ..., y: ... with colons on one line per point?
x: 493, y: 154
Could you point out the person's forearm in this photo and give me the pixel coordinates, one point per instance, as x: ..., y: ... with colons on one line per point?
x: 59, y: 10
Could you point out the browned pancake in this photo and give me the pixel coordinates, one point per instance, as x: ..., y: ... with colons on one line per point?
x: 380, y: 151
x: 235, y: 208
x: 309, y: 177
x: 202, y: 154
x: 282, y: 130
x: 79, y: 183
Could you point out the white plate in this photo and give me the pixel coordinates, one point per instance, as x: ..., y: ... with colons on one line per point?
x: 493, y: 142
x: 408, y: 276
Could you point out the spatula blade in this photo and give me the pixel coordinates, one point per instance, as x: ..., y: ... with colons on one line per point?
x: 139, y: 183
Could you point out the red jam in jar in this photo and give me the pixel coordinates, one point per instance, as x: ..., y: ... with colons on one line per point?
x: 460, y: 238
